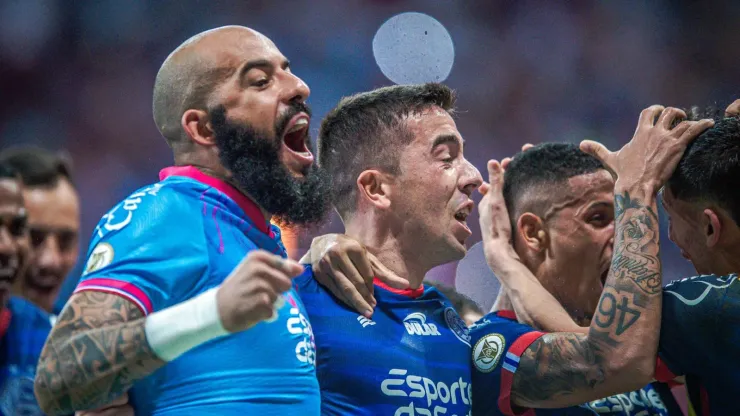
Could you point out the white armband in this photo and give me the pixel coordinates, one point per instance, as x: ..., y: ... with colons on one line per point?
x: 177, y: 329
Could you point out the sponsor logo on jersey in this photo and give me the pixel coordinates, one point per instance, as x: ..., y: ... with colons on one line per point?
x: 488, y: 351
x: 457, y: 325
x: 121, y: 215
x: 640, y: 402
x: 365, y: 322
x: 416, y: 324
x: 305, y: 349
x: 101, y: 256
x: 429, y: 397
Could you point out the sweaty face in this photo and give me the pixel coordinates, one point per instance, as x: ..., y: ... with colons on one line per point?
x: 687, y: 232
x: 580, y: 226
x: 54, y: 227
x: 261, y: 126
x: 12, y: 229
x: 431, y: 196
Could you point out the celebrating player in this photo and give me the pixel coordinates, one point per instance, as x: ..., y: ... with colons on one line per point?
x: 402, y: 187
x: 167, y: 273
x: 565, y: 239
x: 702, y: 205
x: 23, y: 326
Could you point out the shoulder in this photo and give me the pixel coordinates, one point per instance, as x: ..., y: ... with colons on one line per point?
x: 707, y: 291
x: 493, y: 335
x: 28, y: 315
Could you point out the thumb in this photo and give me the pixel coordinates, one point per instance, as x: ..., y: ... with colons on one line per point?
x: 597, y: 150
x: 292, y: 268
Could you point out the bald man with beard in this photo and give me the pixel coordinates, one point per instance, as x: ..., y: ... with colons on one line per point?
x: 187, y: 299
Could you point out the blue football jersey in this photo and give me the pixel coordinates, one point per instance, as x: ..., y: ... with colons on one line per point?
x: 700, y: 339
x: 411, y: 358
x: 173, y: 240
x: 499, y: 341
x: 26, y: 328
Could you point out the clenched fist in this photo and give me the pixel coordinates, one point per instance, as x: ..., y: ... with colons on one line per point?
x: 249, y: 294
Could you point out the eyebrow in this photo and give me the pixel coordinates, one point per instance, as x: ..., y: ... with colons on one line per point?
x: 263, y: 64
x: 447, y: 139
x: 601, y: 204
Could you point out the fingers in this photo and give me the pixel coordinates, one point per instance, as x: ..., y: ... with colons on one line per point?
x: 386, y: 275
x: 358, y: 280
x: 288, y: 266
x: 495, y: 177
x: 346, y: 290
x: 597, y: 150
x: 669, y: 116
x: 505, y: 162
x: 362, y: 266
x: 527, y: 147
x: 483, y: 189
x: 648, y: 115
x: 733, y: 110
x: 695, y: 129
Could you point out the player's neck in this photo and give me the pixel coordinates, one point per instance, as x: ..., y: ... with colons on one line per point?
x: 389, y: 251
x: 223, y: 174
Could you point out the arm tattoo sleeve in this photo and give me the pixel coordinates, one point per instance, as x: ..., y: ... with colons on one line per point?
x: 96, y: 351
x: 563, y: 369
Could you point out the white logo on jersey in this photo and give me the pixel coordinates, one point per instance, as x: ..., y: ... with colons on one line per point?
x: 693, y: 302
x: 115, y: 222
x: 416, y: 324
x: 305, y: 350
x: 437, y: 394
x: 625, y: 403
x: 487, y: 351
x: 101, y: 256
x: 457, y: 326
x: 365, y: 322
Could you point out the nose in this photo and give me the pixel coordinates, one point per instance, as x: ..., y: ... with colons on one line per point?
x: 470, y: 179
x: 297, y: 90
x: 49, y: 256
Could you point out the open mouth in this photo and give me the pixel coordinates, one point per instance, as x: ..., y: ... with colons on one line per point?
x: 294, y: 140
x: 461, y: 216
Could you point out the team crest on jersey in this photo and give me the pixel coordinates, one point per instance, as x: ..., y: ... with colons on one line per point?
x: 457, y: 326
x: 488, y: 351
x: 101, y: 256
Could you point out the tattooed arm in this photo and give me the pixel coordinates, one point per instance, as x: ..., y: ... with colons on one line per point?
x: 618, y: 354
x: 95, y: 352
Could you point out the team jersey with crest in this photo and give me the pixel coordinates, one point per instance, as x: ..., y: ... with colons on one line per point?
x: 173, y: 240
x: 23, y: 331
x: 700, y: 339
x: 411, y: 358
x: 499, y: 341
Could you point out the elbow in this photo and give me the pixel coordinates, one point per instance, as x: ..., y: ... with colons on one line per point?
x: 631, y: 373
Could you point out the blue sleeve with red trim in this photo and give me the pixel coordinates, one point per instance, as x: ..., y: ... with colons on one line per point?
x: 150, y: 248
x: 497, y: 345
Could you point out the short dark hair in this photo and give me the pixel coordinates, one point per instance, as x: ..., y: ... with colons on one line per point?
x: 37, y: 166
x: 367, y: 131
x: 460, y: 302
x: 548, y: 166
x: 710, y: 167
x: 7, y: 172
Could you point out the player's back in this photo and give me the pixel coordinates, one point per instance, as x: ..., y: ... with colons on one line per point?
x: 411, y: 358
x: 23, y: 331
x: 174, y: 240
x: 700, y: 339
x: 498, y: 342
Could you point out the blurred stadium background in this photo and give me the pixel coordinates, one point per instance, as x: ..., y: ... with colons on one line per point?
x: 78, y: 76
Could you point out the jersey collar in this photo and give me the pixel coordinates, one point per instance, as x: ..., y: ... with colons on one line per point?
x: 507, y: 314
x: 412, y: 293
x: 246, y: 204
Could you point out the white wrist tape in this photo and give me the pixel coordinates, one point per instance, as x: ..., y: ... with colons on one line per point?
x: 177, y: 329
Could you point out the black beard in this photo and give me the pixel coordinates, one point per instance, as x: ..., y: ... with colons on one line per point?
x: 254, y: 161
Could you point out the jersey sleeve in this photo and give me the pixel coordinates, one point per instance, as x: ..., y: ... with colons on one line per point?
x: 692, y: 310
x: 497, y: 347
x: 149, y: 249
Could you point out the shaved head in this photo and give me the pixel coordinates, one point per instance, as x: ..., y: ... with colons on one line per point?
x: 192, y: 73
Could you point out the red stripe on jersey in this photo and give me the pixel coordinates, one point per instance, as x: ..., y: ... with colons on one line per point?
x: 246, y: 204
x: 664, y: 374
x: 118, y: 287
x: 507, y: 314
x: 507, y: 377
x: 412, y: 293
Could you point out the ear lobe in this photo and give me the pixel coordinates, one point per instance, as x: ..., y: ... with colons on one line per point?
x: 197, y: 126
x: 713, y: 228
x: 374, y: 188
x: 532, y: 232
